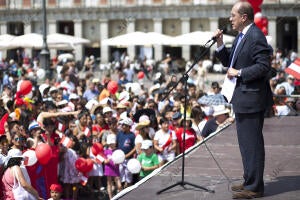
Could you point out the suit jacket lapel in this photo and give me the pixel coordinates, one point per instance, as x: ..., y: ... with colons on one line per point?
x: 238, y: 50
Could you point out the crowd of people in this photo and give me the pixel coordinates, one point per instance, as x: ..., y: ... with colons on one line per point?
x: 146, y: 123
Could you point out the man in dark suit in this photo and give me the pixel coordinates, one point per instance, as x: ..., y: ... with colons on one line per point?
x: 248, y: 64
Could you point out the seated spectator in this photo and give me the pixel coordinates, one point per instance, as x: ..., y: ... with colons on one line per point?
x: 220, y: 117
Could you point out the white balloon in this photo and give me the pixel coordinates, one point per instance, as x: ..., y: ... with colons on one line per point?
x: 31, y: 157
x: 118, y: 156
x: 134, y: 166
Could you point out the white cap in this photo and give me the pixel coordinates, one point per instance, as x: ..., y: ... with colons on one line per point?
x: 73, y: 96
x: 52, y: 89
x: 146, y: 144
x: 126, y: 121
x: 33, y: 125
x: 220, y: 109
x: 62, y: 102
x: 91, y: 103
x: 106, y: 109
x: 43, y: 87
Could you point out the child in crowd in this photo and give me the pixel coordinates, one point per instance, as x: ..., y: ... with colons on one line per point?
x: 55, y: 192
x: 148, y: 159
x: 111, y: 170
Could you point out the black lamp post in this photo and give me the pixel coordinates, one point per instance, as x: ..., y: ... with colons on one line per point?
x: 45, y: 54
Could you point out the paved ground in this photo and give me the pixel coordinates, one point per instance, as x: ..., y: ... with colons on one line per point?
x: 282, y: 171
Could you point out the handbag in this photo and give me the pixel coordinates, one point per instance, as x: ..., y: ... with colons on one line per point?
x: 18, y: 191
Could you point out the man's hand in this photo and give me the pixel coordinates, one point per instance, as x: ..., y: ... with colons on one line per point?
x: 231, y: 73
x: 219, y: 37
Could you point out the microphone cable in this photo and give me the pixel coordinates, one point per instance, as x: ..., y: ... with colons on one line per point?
x: 229, y: 182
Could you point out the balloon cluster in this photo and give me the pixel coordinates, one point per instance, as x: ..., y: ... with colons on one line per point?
x: 261, y: 22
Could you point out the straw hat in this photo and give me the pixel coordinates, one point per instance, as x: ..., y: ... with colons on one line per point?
x: 142, y: 124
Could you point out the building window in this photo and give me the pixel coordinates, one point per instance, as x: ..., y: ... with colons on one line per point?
x: 65, y: 3
x: 14, y: 4
x: 91, y: 3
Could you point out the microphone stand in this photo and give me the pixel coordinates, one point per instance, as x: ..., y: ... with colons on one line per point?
x: 184, y: 78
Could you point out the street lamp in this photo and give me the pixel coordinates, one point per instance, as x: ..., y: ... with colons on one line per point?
x: 45, y: 55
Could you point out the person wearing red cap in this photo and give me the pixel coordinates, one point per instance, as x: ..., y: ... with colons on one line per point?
x: 55, y: 192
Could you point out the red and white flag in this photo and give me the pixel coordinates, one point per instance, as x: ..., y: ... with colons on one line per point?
x: 294, y: 68
x: 100, y: 159
x: 83, y: 180
x: 66, y: 141
x: 87, y: 132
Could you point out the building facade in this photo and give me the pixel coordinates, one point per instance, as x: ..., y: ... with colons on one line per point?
x: 101, y: 19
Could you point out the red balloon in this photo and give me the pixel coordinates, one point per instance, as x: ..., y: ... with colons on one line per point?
x: 25, y: 87
x: 84, y: 165
x: 80, y: 164
x: 264, y: 30
x: 89, y: 164
x: 43, y: 153
x: 140, y: 75
x: 255, y: 3
x: 97, y: 148
x: 258, y: 22
x: 264, y: 21
x: 112, y: 87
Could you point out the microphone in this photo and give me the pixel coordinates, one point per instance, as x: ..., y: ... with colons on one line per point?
x: 214, y: 38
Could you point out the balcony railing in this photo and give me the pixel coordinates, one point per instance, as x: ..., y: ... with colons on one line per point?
x: 30, y: 4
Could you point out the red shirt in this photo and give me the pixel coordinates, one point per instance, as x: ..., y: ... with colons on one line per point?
x: 190, y: 138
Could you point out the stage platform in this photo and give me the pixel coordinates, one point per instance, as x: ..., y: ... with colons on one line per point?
x: 282, y: 167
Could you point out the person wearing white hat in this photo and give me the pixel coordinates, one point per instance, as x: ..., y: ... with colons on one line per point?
x: 125, y: 142
x: 13, y: 173
x: 220, y: 117
x: 148, y: 159
x: 111, y: 170
x: 288, y: 85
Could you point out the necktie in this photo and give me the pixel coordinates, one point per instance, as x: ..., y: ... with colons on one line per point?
x: 236, y: 46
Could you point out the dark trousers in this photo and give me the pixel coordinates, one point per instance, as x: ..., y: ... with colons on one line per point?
x: 251, y: 141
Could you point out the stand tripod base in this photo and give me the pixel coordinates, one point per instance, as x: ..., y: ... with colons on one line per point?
x: 182, y: 184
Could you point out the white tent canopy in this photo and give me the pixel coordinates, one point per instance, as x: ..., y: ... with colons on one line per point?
x: 138, y: 38
x: 5, y: 40
x: 154, y: 38
x: 198, y: 38
x: 54, y: 41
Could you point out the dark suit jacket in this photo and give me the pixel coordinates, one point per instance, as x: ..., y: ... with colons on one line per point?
x: 252, y: 92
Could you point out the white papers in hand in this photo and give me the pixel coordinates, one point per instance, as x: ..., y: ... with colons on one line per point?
x: 228, y: 88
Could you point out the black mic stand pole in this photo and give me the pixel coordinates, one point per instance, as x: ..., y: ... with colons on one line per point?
x: 184, y: 78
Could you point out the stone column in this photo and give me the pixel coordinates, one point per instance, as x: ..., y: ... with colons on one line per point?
x: 272, y: 31
x: 104, y: 35
x: 27, y: 30
x: 52, y: 28
x: 78, y: 33
x: 130, y: 29
x: 213, y: 26
x: 158, y: 48
x: 185, y: 28
x: 3, y: 30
